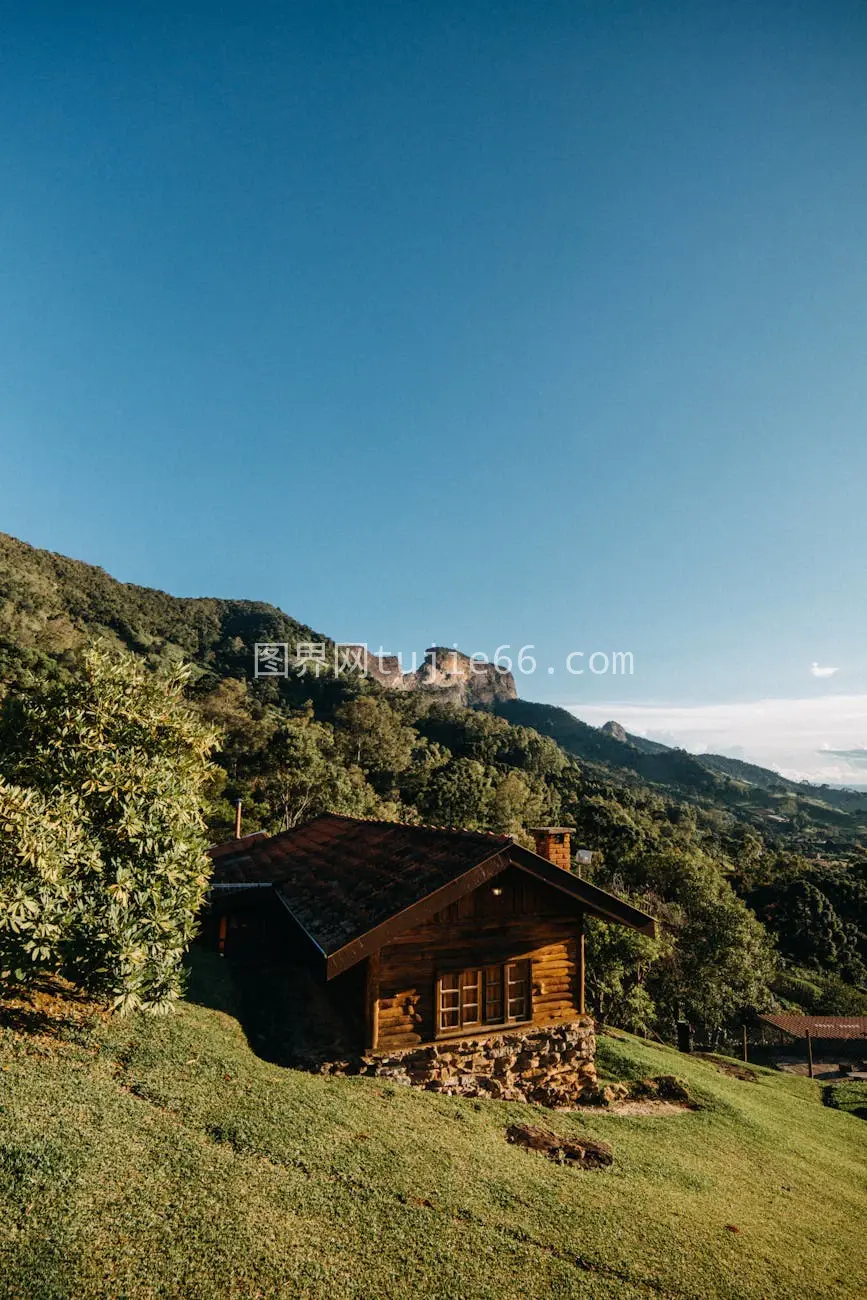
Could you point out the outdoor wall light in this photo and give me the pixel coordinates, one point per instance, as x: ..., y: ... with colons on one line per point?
x: 496, y: 891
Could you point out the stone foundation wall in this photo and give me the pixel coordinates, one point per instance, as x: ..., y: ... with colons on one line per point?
x: 550, y: 1065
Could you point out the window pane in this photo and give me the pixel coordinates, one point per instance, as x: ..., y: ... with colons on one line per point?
x: 494, y: 995
x: 471, y: 981
x: 450, y: 1002
x: 518, y: 990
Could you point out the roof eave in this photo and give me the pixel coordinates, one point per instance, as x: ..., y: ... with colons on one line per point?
x: 595, y: 901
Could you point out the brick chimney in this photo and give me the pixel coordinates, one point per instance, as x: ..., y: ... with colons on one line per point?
x: 554, y: 843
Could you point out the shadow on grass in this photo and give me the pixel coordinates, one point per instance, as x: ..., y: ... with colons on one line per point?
x: 284, y: 1012
x: 208, y: 982
x: 51, y: 1007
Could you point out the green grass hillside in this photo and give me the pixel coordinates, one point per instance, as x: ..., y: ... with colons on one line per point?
x: 145, y: 1158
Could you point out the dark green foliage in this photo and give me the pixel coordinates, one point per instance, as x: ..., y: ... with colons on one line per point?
x: 619, y: 962
x: 306, y: 774
x: 818, y: 913
x: 716, y: 960
x: 458, y: 794
x: 809, y: 928
x: 817, y: 993
x: 372, y: 735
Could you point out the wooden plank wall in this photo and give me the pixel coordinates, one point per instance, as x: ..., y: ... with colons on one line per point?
x: 528, y: 920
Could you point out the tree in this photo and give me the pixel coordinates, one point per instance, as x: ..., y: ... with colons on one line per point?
x: 306, y: 775
x: 373, y: 736
x: 809, y: 929
x: 44, y: 853
x: 618, y: 962
x: 102, y: 858
x: 458, y: 794
x: 245, y: 726
x: 718, y: 958
x: 515, y: 803
x: 722, y: 959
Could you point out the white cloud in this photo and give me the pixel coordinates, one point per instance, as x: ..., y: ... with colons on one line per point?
x: 818, y: 671
x: 857, y: 756
x: 823, y: 739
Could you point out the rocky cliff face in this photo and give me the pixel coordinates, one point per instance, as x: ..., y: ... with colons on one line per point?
x: 458, y: 677
x: 614, y: 729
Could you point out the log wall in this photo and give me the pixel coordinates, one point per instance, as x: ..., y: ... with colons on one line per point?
x: 527, y: 920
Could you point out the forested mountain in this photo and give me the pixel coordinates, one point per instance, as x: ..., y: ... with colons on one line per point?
x: 761, y: 891
x: 50, y: 605
x: 835, y: 796
x: 791, y: 811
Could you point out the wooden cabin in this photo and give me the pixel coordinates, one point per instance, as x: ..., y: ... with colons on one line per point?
x: 422, y: 934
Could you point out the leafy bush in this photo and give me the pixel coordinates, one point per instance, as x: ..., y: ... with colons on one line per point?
x: 102, y: 847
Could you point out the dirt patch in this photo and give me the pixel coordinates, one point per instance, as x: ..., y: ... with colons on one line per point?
x: 584, y: 1152
x: 821, y: 1069
x: 660, y: 1095
x: 728, y: 1067
x: 651, y: 1108
x: 661, y: 1087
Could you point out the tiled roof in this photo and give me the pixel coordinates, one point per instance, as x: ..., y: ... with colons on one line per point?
x: 818, y: 1026
x: 235, y: 846
x: 340, y: 876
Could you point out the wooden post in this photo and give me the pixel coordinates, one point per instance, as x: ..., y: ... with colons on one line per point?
x: 745, y: 1041
x: 582, y: 1003
x: 221, y: 936
x: 371, y: 994
x: 809, y: 1054
x: 237, y: 819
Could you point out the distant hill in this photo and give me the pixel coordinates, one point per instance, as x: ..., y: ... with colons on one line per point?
x: 848, y: 797
x: 646, y: 746
x: 839, y: 796
x: 662, y: 766
x: 752, y: 792
x: 50, y: 604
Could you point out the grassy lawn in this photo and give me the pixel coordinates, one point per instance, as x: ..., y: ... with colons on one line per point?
x: 151, y: 1158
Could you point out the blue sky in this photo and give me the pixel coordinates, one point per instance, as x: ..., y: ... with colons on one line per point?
x: 475, y: 323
